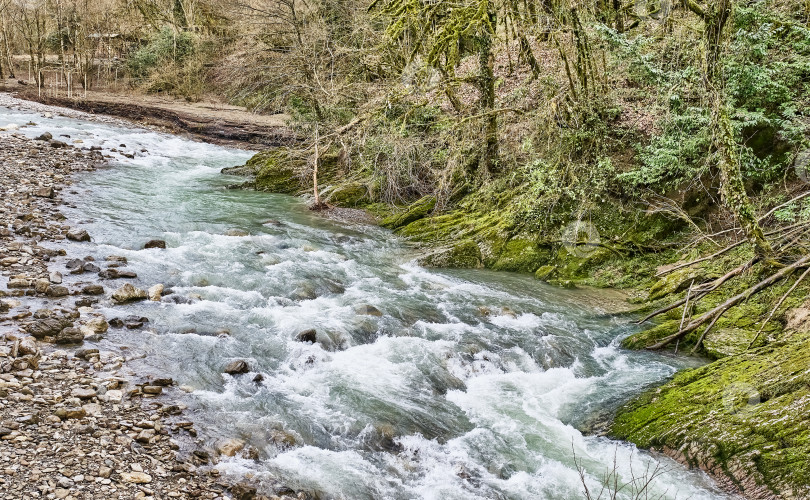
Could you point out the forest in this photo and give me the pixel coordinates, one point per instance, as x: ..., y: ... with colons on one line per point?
x: 660, y: 147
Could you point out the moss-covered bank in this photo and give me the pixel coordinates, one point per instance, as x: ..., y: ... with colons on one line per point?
x: 745, y: 419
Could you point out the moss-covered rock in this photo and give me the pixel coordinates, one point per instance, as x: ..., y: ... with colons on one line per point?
x: 650, y: 336
x: 277, y: 171
x: 722, y: 342
x: 414, y: 212
x: 743, y: 418
x: 675, y: 281
x: 545, y: 273
x: 521, y: 254
x: 351, y: 194
x: 464, y: 255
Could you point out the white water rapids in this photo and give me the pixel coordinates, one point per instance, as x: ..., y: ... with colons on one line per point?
x: 471, y: 384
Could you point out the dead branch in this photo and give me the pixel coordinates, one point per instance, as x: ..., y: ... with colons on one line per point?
x: 778, y: 304
x: 718, y: 311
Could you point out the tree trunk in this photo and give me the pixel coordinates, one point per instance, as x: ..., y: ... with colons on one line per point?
x: 486, y: 84
x: 731, y: 179
x: 715, y: 17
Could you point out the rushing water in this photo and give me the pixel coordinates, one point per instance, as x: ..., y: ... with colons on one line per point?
x: 471, y: 384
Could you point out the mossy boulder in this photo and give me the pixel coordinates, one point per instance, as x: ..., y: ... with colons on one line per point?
x: 521, y: 254
x: 744, y: 419
x: 722, y: 342
x: 351, y: 194
x: 414, y: 212
x: 275, y: 171
x: 650, y: 336
x: 675, y: 281
x: 545, y: 273
x: 465, y: 254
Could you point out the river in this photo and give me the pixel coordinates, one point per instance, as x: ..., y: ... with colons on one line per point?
x: 469, y: 384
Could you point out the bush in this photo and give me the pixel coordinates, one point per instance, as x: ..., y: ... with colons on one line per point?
x: 165, y: 46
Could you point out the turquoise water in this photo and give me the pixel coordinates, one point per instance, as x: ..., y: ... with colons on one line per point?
x: 470, y: 384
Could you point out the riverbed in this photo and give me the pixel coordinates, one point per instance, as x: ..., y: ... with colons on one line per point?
x: 420, y: 383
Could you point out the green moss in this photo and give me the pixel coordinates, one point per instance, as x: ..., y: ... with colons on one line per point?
x: 521, y: 254
x: 351, y: 194
x: 650, y: 336
x: 743, y: 417
x: 674, y: 282
x: 277, y: 171
x: 414, y: 212
x: 463, y: 255
x: 545, y: 273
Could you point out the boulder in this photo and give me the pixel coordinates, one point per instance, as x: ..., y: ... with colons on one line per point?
x: 307, y: 336
x: 41, y: 285
x: 18, y: 283
x: 418, y: 210
x: 93, y: 290
x: 78, y: 235
x: 28, y: 345
x: 70, y: 336
x: 155, y: 244
x: 95, y: 326
x: 136, y: 477
x: 57, y: 291
x: 128, y: 293
x: 155, y: 293
x: 90, y: 267
x: 55, y: 277
x: 48, y: 327
x: 108, y: 274
x: 44, y: 192
x: 47, y: 136
x: 236, y: 367
x: 367, y: 310
x: 230, y: 447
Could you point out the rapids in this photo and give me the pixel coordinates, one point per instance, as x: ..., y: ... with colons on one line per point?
x: 470, y: 384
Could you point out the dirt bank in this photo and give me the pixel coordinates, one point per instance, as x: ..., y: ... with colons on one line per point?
x: 209, y: 121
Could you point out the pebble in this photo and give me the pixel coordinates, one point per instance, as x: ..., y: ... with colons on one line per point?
x: 66, y: 413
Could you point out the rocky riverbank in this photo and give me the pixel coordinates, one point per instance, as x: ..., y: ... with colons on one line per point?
x: 74, y: 420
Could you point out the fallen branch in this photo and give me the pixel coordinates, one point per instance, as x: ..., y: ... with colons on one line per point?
x: 778, y: 304
x: 718, y: 311
x: 702, y: 292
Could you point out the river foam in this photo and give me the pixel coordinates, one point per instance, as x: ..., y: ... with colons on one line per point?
x: 466, y: 385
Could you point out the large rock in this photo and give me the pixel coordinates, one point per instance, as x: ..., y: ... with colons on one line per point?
x: 307, y: 336
x: 93, y: 289
x: 78, y: 235
x: 155, y: 293
x: 464, y: 254
x: 236, y: 367
x: 367, y: 310
x: 155, y: 244
x: 48, y: 327
x: 57, y: 291
x: 413, y: 213
x: 128, y: 293
x: 136, y: 477
x: 352, y: 194
x: 230, y: 447
x: 95, y: 326
x: 70, y: 336
x: 44, y: 192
